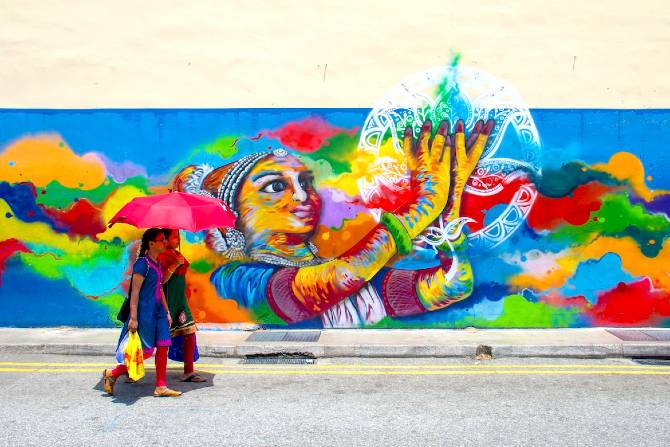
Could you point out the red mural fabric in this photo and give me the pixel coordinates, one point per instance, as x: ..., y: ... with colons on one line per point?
x: 399, y: 293
x: 281, y: 298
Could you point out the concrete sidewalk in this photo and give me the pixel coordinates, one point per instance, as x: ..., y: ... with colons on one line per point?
x: 577, y: 343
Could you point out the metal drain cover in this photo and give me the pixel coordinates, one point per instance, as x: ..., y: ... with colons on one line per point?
x: 307, y: 336
x: 278, y: 361
x: 293, y: 336
x: 267, y: 336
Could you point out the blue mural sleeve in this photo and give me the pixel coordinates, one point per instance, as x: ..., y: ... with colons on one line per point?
x: 244, y: 283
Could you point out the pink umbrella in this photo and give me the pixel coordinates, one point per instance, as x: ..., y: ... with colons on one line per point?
x: 178, y: 210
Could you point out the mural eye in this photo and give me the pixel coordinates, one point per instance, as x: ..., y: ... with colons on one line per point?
x: 274, y: 186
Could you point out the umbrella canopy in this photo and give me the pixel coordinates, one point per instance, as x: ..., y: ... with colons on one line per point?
x: 178, y: 210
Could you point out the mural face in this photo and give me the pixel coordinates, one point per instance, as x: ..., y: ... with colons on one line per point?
x: 278, y: 197
x: 450, y: 204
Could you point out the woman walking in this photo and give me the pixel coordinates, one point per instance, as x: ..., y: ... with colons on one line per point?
x: 149, y: 314
x: 174, y: 267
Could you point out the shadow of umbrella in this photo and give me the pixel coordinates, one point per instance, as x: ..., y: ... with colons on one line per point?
x: 130, y: 393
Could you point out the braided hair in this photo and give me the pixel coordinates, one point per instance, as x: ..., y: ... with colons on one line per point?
x: 148, y: 236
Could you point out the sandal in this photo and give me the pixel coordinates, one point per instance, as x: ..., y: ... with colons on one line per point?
x: 166, y: 392
x: 193, y: 377
x: 108, y: 382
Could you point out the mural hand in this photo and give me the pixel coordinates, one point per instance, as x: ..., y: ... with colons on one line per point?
x: 430, y: 167
x: 467, y: 153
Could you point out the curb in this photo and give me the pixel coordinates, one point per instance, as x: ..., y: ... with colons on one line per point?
x: 372, y: 350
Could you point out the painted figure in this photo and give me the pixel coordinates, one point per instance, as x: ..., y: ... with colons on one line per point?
x: 149, y: 314
x: 183, y: 326
x: 274, y: 269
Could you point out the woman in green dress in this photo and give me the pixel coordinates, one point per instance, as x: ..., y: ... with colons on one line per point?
x: 175, y: 267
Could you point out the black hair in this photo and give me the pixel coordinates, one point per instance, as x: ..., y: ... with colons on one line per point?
x: 148, y: 236
x: 168, y: 231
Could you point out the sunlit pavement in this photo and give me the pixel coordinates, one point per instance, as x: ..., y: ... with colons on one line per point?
x: 58, y: 400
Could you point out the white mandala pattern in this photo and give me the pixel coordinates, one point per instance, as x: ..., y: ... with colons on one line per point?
x: 474, y: 95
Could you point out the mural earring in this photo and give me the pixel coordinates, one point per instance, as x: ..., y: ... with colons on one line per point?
x: 193, y: 182
x: 230, y: 242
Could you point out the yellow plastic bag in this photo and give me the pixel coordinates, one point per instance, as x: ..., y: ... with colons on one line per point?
x: 133, y: 356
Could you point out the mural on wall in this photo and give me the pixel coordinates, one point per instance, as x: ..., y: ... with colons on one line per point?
x: 449, y: 204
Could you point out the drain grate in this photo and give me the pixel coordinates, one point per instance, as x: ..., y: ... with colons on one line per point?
x: 278, y: 361
x: 307, y: 336
x: 631, y: 335
x: 267, y: 336
x: 293, y: 336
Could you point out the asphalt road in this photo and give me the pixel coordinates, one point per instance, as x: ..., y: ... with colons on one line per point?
x: 58, y: 400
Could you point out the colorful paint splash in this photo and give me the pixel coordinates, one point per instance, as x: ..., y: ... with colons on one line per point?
x: 590, y: 246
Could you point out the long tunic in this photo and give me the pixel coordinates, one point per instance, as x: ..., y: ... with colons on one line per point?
x: 175, y: 293
x: 151, y: 315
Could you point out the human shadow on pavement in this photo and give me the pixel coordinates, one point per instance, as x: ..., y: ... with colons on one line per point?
x: 129, y: 393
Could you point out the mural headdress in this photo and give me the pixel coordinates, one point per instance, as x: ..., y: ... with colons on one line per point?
x: 224, y: 184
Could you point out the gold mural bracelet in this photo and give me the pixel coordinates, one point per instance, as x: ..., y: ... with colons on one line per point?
x: 403, y: 241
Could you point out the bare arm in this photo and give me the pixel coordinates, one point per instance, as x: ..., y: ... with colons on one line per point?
x: 167, y: 274
x: 300, y: 293
x: 296, y: 294
x: 452, y: 280
x: 170, y: 265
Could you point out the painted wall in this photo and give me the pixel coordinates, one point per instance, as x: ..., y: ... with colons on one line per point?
x: 566, y: 214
